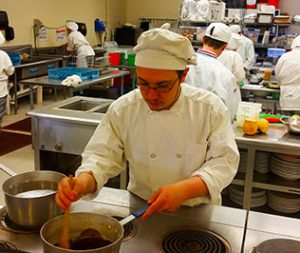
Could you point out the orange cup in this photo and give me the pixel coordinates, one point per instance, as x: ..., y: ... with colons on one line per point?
x: 267, y: 74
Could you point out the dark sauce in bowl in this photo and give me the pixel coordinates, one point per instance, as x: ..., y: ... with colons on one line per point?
x: 88, y: 239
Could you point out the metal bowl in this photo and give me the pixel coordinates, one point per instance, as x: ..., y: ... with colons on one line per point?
x: 293, y: 124
x: 260, y: 93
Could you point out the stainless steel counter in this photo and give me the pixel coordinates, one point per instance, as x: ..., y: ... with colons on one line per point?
x: 228, y: 223
x: 46, y: 82
x: 262, y: 227
x: 277, y: 140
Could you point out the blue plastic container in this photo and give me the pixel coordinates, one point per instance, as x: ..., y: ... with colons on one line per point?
x: 63, y: 73
x: 15, y: 58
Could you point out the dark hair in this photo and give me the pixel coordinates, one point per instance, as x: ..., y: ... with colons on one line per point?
x: 215, y: 44
x: 180, y: 73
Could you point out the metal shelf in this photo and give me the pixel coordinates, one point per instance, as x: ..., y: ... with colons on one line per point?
x: 267, y: 209
x: 273, y: 182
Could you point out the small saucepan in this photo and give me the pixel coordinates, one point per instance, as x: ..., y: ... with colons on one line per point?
x: 103, y: 232
x: 30, y: 196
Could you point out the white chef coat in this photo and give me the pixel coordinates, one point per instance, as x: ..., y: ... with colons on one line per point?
x: 287, y: 72
x: 246, y: 50
x: 76, y: 41
x: 234, y: 62
x: 6, y: 69
x: 193, y: 138
x: 212, y: 75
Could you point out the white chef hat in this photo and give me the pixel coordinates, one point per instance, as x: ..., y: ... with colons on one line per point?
x: 218, y: 31
x: 234, y: 42
x: 2, y: 40
x: 160, y: 48
x: 72, y: 25
x: 296, y: 42
x: 235, y: 28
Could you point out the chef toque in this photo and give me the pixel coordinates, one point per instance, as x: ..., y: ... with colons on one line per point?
x: 235, y: 28
x: 296, y: 42
x: 218, y: 31
x: 72, y: 26
x: 2, y: 40
x: 235, y: 41
x: 160, y: 48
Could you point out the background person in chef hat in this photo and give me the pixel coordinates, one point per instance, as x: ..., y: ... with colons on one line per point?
x: 232, y: 60
x: 287, y: 72
x: 210, y: 74
x: 246, y: 50
x: 177, y: 139
x: 76, y: 41
x: 6, y: 69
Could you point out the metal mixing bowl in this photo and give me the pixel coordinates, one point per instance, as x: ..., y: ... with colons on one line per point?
x: 293, y: 124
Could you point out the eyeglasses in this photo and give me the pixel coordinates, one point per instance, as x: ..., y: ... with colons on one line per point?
x: 160, y: 87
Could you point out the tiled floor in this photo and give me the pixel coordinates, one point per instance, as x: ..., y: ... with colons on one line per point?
x: 21, y: 160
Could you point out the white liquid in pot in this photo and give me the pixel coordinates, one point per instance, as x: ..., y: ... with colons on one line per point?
x: 34, y: 193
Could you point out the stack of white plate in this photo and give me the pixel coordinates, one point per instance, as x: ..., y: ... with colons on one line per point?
x: 243, y: 161
x: 262, y: 162
x: 284, y: 202
x: 285, y: 166
x: 258, y: 196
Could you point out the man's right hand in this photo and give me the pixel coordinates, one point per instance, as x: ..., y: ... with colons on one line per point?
x: 83, y: 184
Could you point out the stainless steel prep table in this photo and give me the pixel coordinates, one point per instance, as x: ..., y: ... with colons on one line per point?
x: 35, y: 68
x: 46, y: 82
x: 277, y: 140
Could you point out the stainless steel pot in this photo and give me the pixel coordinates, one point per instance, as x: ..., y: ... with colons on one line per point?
x: 31, y: 212
x: 107, y: 226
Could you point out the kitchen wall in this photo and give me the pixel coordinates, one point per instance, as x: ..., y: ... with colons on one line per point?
x: 291, y: 7
x: 169, y: 9
x: 53, y: 14
x: 151, y: 9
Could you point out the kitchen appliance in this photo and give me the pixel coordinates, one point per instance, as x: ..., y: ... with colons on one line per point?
x: 58, y: 126
x: 219, y: 228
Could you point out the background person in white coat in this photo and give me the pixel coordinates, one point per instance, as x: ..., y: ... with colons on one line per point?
x: 210, y: 74
x: 177, y: 139
x: 6, y: 69
x: 287, y: 72
x: 232, y: 60
x: 246, y: 50
x: 76, y: 41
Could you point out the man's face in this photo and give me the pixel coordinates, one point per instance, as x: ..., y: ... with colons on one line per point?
x: 159, y: 88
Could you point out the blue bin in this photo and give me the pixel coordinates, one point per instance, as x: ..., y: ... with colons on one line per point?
x: 15, y: 58
x: 63, y: 73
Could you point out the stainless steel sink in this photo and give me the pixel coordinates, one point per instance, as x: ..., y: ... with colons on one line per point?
x: 82, y: 105
x: 102, y: 109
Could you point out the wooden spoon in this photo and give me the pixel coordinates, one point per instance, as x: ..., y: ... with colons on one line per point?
x: 64, y: 240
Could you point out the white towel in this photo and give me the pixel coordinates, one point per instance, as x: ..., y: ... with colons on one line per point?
x: 72, y: 80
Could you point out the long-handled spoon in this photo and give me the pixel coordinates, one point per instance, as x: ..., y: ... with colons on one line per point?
x: 64, y: 240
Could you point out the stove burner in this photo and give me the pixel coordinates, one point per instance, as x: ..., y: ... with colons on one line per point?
x: 7, y: 224
x: 130, y: 229
x: 278, y: 246
x: 6, y: 245
x: 194, y: 241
